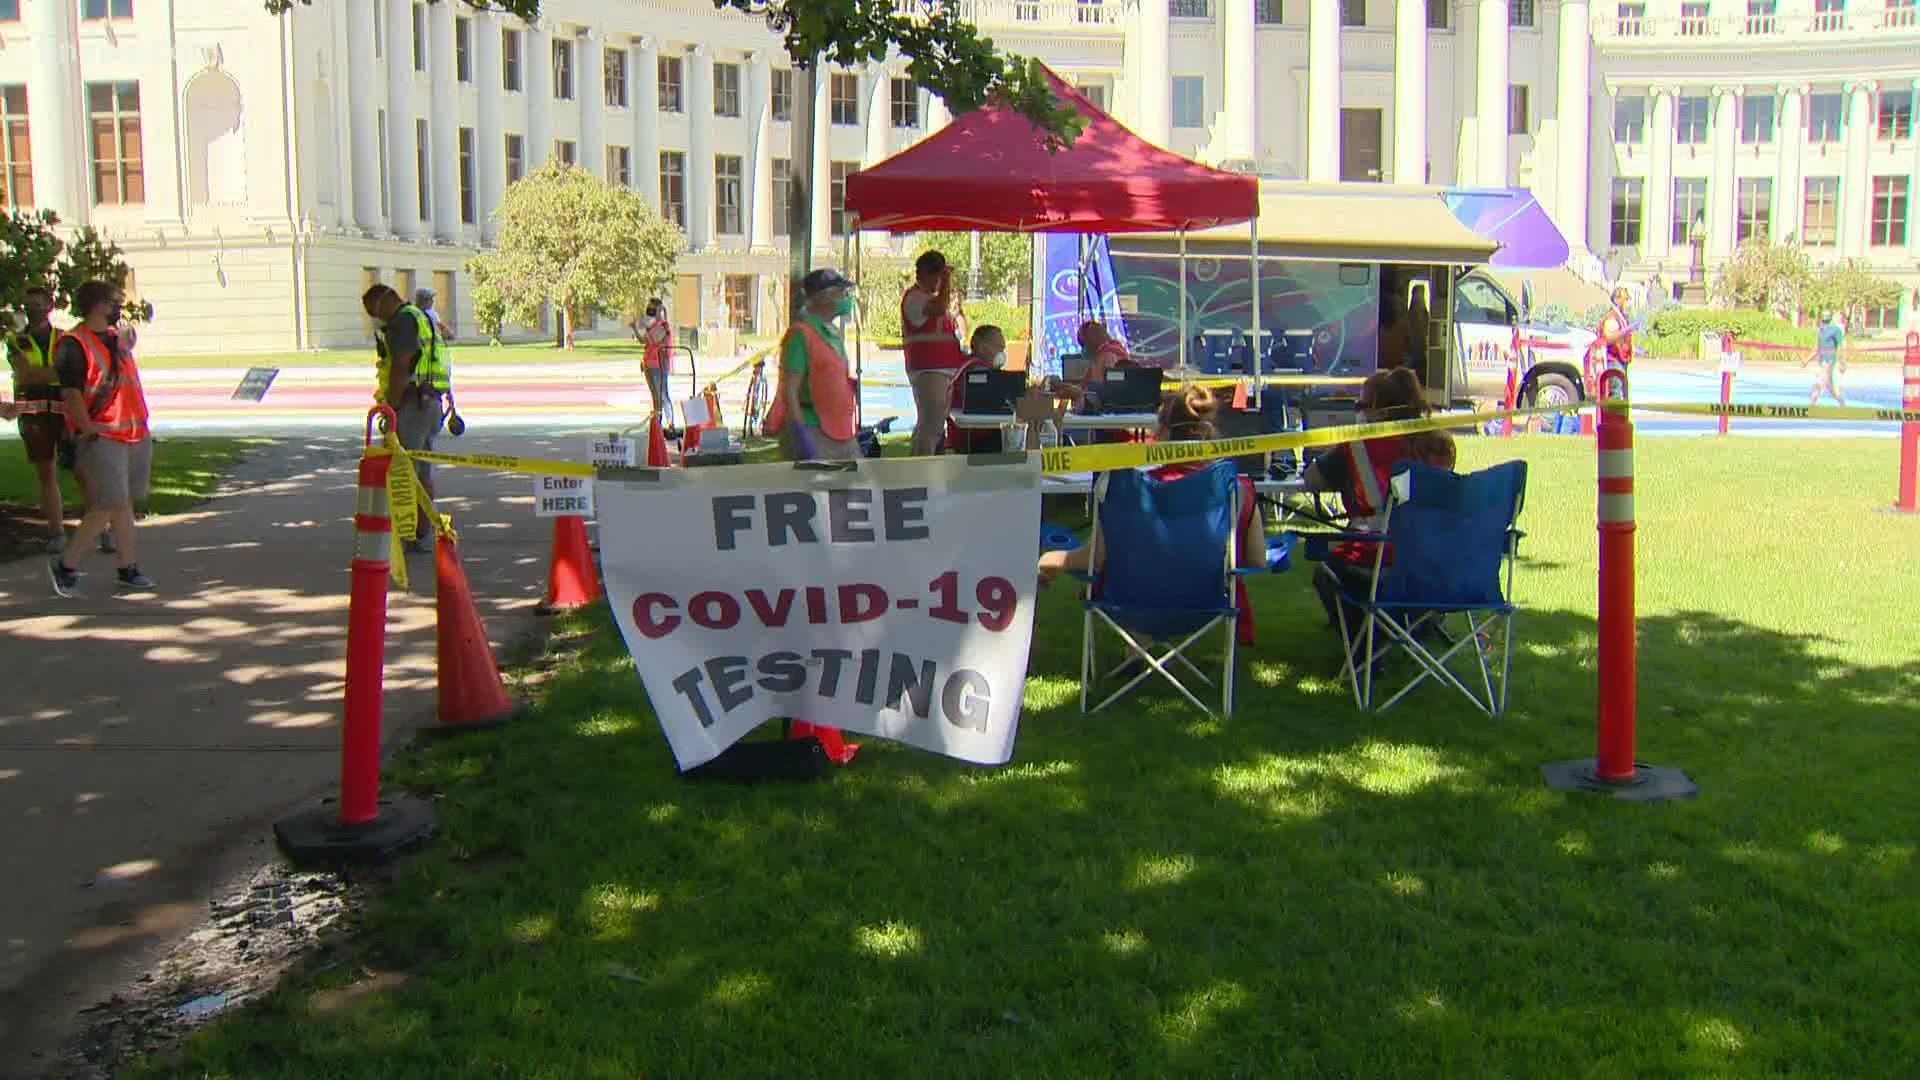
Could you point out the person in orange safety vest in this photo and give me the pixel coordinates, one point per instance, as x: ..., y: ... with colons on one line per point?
x: 815, y: 405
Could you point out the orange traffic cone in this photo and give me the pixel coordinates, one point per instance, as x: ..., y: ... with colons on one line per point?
x: 657, y: 456
x: 1240, y: 397
x: 470, y: 693
x: 839, y: 751
x: 571, y: 581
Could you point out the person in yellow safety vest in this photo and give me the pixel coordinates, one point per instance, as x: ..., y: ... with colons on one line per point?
x: 415, y: 369
x: 815, y: 405
x: 43, y: 419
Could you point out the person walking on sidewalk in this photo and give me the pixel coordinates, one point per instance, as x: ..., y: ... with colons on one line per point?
x: 1826, y: 378
x: 107, y: 418
x: 415, y: 373
x: 43, y: 421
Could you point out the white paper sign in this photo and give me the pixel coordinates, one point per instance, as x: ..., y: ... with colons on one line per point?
x: 562, y: 496
x: 894, y: 599
x: 693, y: 411
x: 610, y: 451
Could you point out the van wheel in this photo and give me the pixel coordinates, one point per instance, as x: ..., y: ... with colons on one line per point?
x: 1551, y: 390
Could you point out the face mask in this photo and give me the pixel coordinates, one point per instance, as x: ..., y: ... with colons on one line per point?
x: 999, y: 359
x: 113, y: 317
x: 844, y: 308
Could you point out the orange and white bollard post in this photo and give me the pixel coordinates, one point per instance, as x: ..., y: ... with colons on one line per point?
x: 1512, y: 396
x: 361, y: 827
x: 1907, y: 501
x: 1613, y: 769
x: 1729, y: 364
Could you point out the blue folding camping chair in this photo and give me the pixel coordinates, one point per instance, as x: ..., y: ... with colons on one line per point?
x: 1167, y: 579
x: 1451, y: 537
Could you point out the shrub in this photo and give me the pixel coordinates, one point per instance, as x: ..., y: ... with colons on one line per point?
x: 1676, y: 331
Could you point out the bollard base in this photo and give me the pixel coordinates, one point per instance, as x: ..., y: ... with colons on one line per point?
x: 316, y: 838
x: 1651, y: 783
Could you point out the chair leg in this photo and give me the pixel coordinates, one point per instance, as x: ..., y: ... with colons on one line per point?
x: 1155, y: 664
x: 1226, y: 675
x: 1086, y: 655
x: 1346, y: 651
x: 1506, y: 660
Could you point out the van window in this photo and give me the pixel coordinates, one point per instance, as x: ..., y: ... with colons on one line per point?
x: 1477, y: 301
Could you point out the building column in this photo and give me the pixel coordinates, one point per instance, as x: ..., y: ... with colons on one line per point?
x: 590, y: 86
x: 1856, y: 181
x: 645, y: 95
x: 1913, y: 189
x: 1491, y: 60
x: 939, y: 117
x: 759, y: 108
x: 1153, y: 97
x: 539, y: 90
x: 1576, y: 105
x: 363, y: 106
x: 339, y: 101
x: 1240, y: 99
x: 403, y: 167
x: 489, y: 133
x: 1323, y: 89
x: 822, y: 216
x: 1410, y: 91
x: 57, y: 112
x: 444, y: 149
x: 1723, y: 193
x: 1660, y: 172
x: 1789, y: 195
x: 879, y: 115
x: 699, y: 94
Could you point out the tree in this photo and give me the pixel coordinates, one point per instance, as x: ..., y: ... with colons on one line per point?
x: 570, y: 239
x: 1005, y: 258
x: 1766, y: 277
x: 489, y: 299
x: 1847, y: 288
x: 945, y: 54
x: 32, y: 252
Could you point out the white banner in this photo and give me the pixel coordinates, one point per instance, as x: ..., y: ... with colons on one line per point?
x: 891, y: 598
x: 562, y: 496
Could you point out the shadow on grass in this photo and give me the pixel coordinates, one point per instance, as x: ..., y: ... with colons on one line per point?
x: 1298, y: 890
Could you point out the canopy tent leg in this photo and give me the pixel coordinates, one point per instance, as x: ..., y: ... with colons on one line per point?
x: 1259, y: 383
x: 859, y: 325
x: 1183, y: 299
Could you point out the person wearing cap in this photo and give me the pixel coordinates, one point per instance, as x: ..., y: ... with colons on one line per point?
x: 1826, y: 380
x: 423, y: 299
x: 930, y: 329
x: 815, y: 401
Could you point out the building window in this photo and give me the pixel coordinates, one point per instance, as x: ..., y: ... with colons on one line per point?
x: 843, y: 100
x: 739, y: 300
x: 1756, y: 210
x: 1883, y: 318
x: 670, y: 84
x: 782, y: 197
x: 516, y: 158
x: 614, y: 76
x: 1625, y: 217
x: 1631, y: 20
x: 1896, y: 114
x: 1438, y: 12
x: 619, y: 166
x: 380, y: 141
x: 1517, y: 109
x: 1694, y: 15
x: 1188, y: 9
x: 1629, y: 119
x: 1269, y: 12
x: 566, y: 151
x: 838, y: 172
x: 726, y: 89
x: 1820, y: 214
x: 906, y: 103
x: 1762, y: 16
x: 9, y: 10
x: 1829, y: 15
x: 114, y: 112
x: 423, y: 174
x: 726, y: 194
x: 1689, y: 202
x: 463, y: 49
x: 1756, y: 119
x: 379, y: 30
x: 509, y: 59
x: 563, y: 70
x: 16, y: 148
x: 468, y: 210
x: 1690, y: 120
x: 107, y: 9
x: 1824, y: 112
x: 1352, y: 12
x: 1189, y: 101
x: 1097, y: 94
x: 782, y: 95
x: 1901, y: 13
x: 1888, y: 226
x: 1520, y: 14
x: 419, y: 37
x: 673, y: 187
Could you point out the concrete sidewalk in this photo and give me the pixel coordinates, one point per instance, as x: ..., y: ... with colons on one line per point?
x: 145, y: 741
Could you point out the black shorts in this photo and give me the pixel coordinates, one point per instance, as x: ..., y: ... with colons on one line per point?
x: 41, y: 434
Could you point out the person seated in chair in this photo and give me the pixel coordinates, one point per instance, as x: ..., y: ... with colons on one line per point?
x: 986, y: 351
x: 1187, y: 415
x: 1361, y: 474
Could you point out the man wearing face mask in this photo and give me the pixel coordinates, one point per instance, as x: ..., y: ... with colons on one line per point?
x: 37, y: 386
x: 987, y: 351
x: 107, y: 416
x: 815, y: 404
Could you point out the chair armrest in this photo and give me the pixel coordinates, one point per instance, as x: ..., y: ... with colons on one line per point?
x: 1315, y: 544
x: 1249, y: 571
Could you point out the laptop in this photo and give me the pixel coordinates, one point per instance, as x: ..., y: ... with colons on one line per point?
x: 1130, y: 390
x: 993, y: 392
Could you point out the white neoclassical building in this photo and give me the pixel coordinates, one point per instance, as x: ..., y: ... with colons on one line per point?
x: 261, y: 170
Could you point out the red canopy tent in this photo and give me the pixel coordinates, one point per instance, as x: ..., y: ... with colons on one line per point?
x: 990, y: 170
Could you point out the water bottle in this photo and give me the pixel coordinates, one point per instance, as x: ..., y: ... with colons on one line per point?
x: 1049, y: 435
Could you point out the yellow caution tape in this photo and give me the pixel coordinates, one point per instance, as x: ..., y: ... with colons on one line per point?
x: 504, y: 463
x: 1782, y: 412
x: 1221, y: 382
x: 405, y: 501
x: 742, y: 366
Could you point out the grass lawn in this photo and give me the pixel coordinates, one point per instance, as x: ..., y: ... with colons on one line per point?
x: 1299, y: 891
x: 185, y: 471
